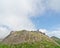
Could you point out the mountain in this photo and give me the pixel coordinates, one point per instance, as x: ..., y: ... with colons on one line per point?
x: 28, y: 39
x: 1, y: 40
x: 56, y: 39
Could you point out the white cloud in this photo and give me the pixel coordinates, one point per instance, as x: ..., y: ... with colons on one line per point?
x: 55, y: 33
x: 38, y: 7
x: 43, y: 30
x: 54, y: 5
x: 51, y: 33
x: 17, y: 22
x: 16, y: 13
x: 3, y: 32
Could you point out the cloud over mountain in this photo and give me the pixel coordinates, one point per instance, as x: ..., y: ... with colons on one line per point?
x: 16, y: 13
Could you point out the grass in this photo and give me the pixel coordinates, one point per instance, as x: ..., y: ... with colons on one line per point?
x: 43, y: 44
x: 56, y: 39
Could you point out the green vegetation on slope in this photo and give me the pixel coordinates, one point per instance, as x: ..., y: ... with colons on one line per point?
x: 56, y: 39
x: 43, y: 44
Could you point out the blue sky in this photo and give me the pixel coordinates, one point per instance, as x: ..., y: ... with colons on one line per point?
x: 30, y: 15
x: 48, y: 20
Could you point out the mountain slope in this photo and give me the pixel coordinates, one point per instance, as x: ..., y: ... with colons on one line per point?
x: 56, y: 39
x: 29, y: 39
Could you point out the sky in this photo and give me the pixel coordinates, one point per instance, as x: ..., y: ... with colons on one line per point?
x: 30, y: 15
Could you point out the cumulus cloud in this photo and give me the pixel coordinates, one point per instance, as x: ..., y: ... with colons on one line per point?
x: 3, y: 32
x: 43, y: 30
x: 51, y: 33
x: 38, y: 7
x: 54, y: 5
x: 16, y: 13
x: 55, y: 33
